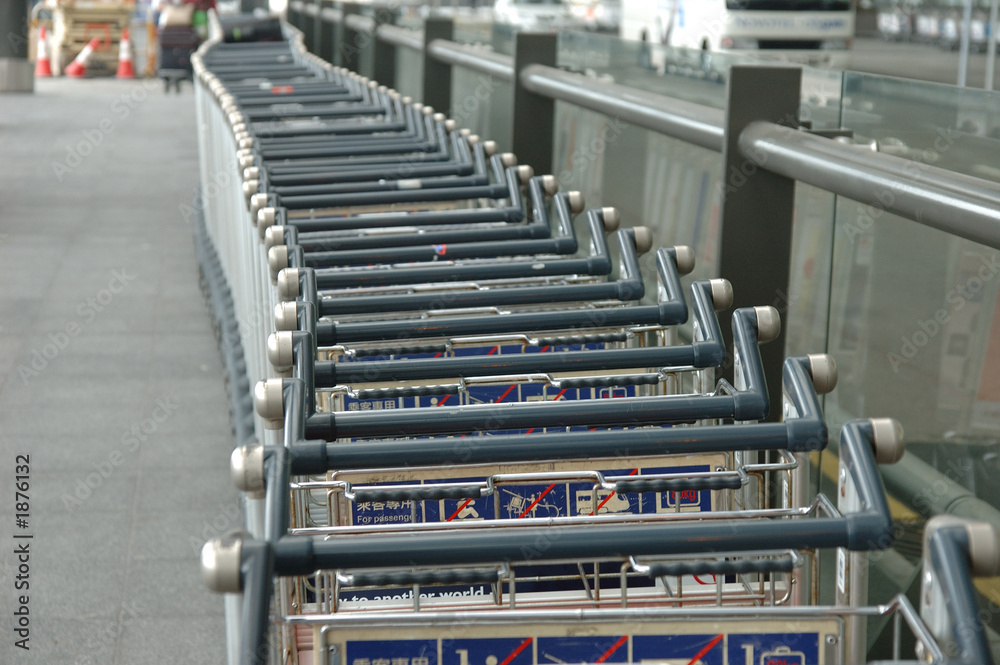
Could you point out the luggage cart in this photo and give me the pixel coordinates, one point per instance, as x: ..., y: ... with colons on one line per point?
x: 474, y: 368
x: 661, y: 486
x: 514, y: 261
x: 862, y: 523
x: 751, y: 327
x: 300, y: 283
x: 498, y: 532
x: 433, y: 326
x: 460, y: 242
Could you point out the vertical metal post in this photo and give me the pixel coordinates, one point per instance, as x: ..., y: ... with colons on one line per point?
x: 317, y: 29
x: 324, y: 31
x: 991, y: 46
x: 384, y: 67
x: 292, y: 16
x: 16, y: 72
x: 347, y: 44
x: 437, y: 75
x: 534, y: 115
x: 757, y: 206
x: 309, y: 20
x: 963, y: 56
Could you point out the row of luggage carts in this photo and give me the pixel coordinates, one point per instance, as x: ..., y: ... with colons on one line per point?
x: 482, y: 436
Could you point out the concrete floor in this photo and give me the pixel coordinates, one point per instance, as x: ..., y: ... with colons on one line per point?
x: 109, y: 378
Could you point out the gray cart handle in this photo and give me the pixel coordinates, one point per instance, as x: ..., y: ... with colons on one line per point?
x: 294, y: 283
x: 751, y: 327
x: 256, y: 468
x: 709, y: 351
x: 671, y: 309
x: 236, y: 564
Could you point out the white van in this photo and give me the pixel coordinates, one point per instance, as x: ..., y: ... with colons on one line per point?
x: 539, y: 15
x: 816, y: 32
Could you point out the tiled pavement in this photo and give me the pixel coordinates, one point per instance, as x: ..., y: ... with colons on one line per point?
x: 109, y: 378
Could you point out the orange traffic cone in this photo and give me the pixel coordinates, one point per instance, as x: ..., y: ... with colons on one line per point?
x: 78, y: 68
x: 43, y: 67
x: 125, y: 68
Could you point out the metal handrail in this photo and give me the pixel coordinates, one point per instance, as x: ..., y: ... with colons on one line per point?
x: 331, y: 14
x: 955, y: 203
x: 364, y: 24
x: 958, y: 204
x: 693, y: 123
x: 474, y: 58
x: 412, y: 39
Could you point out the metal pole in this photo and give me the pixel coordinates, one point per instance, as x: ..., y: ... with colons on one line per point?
x: 347, y: 39
x: 474, y: 58
x: 534, y: 114
x: 362, y: 31
x: 955, y: 203
x: 437, y: 74
x: 411, y: 39
x: 963, y: 57
x: 310, y: 16
x: 929, y: 492
x: 384, y: 56
x: 991, y: 46
x: 16, y: 73
x: 691, y: 123
x: 324, y: 31
x: 758, y: 205
x: 317, y: 29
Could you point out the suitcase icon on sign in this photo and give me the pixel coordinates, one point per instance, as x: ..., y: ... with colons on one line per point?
x: 783, y: 656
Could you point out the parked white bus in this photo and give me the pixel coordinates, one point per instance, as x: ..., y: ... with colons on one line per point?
x: 818, y: 32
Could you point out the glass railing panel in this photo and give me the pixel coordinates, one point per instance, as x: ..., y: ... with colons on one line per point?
x: 805, y: 306
x: 929, y: 358
x: 409, y: 72
x: 653, y: 180
x: 410, y: 17
x: 914, y: 322
x: 484, y: 104
x: 692, y: 75
x: 913, y: 327
x: 474, y: 27
x: 676, y: 73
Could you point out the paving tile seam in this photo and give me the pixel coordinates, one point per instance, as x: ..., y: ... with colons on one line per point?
x: 62, y: 248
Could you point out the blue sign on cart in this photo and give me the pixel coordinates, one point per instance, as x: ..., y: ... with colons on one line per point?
x: 590, y: 649
x: 490, y: 651
x: 392, y: 652
x: 687, y: 649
